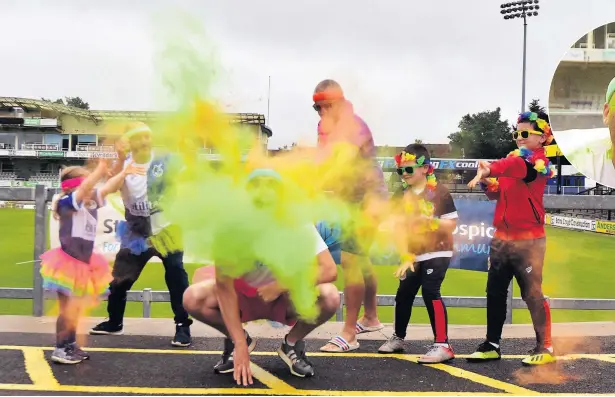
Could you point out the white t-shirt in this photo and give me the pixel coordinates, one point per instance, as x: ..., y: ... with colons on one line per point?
x: 137, y: 195
x: 595, y: 161
x: 261, y: 275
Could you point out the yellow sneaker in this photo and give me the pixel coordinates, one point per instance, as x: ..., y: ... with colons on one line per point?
x: 539, y: 356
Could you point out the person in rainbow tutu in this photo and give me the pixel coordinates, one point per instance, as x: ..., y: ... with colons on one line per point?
x: 79, y: 275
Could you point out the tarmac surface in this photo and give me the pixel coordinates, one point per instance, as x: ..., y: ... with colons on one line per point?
x: 148, y: 365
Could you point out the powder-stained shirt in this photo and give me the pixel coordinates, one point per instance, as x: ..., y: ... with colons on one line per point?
x: 78, y: 221
x: 261, y: 275
x: 141, y: 195
x: 370, y: 178
x: 595, y: 161
x: 433, y: 244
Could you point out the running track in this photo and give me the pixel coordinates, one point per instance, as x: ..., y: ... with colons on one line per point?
x: 148, y: 365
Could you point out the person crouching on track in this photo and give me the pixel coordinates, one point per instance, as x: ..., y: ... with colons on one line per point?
x: 225, y: 303
x: 428, y: 221
x: 78, y: 274
x: 519, y: 244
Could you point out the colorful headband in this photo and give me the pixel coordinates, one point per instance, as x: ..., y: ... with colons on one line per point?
x: 543, y: 125
x: 137, y: 130
x: 404, y: 157
x: 72, y: 183
x: 327, y: 96
x: 264, y: 173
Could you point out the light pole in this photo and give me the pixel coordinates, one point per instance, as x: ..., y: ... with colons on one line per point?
x: 521, y: 9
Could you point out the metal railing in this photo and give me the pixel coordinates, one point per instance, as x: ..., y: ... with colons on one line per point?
x: 41, y: 195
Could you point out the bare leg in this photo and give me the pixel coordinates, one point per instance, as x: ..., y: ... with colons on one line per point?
x: 370, y: 304
x: 201, y: 303
x: 328, y: 301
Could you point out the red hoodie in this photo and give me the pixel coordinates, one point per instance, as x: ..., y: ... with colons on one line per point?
x: 520, y: 211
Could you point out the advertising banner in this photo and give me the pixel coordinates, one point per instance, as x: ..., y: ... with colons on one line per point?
x: 572, y: 223
x: 606, y: 227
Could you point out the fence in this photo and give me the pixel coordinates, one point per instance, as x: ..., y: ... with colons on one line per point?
x: 41, y: 195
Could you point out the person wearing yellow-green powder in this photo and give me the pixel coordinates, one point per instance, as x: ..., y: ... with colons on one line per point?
x: 596, y: 160
x: 146, y: 233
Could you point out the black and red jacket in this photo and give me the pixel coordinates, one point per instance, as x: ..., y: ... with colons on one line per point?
x: 519, y: 212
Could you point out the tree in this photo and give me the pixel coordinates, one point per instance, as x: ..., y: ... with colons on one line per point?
x: 77, y: 102
x: 58, y: 101
x: 535, y: 107
x: 73, y: 101
x: 483, y: 135
x: 418, y: 141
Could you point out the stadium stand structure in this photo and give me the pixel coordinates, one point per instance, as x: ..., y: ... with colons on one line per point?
x: 37, y: 137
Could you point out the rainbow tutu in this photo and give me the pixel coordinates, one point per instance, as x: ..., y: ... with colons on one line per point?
x: 67, y: 275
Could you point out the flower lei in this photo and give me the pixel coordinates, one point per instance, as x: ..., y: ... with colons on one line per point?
x: 540, y: 163
x: 425, y: 208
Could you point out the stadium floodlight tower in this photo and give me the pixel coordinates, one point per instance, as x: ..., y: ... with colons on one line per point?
x: 521, y: 9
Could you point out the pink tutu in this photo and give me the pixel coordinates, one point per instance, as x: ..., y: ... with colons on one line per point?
x: 63, y: 273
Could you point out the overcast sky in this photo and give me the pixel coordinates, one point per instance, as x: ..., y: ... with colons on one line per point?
x: 411, y: 68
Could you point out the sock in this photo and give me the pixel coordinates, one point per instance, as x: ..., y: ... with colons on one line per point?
x: 287, y: 342
x: 442, y: 344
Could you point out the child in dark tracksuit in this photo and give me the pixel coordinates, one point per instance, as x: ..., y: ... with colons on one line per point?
x: 519, y: 244
x: 426, y: 228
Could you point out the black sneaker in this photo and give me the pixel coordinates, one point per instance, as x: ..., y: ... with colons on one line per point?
x: 182, y: 334
x: 79, y: 352
x: 295, y: 358
x: 107, y: 328
x: 485, y: 352
x: 226, y: 364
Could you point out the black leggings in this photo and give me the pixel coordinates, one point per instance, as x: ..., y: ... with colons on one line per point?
x: 524, y: 260
x: 429, y: 275
x: 66, y: 325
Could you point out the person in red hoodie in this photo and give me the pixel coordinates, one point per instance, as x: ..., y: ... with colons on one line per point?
x: 519, y: 244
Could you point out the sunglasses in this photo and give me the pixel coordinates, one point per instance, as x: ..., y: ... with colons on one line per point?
x: 318, y: 107
x: 408, y: 169
x: 524, y: 134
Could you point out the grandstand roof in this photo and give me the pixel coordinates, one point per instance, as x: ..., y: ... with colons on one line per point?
x: 98, y: 116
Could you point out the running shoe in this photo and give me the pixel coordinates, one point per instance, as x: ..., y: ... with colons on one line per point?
x: 395, y: 344
x: 80, y: 352
x: 539, y: 356
x: 438, y: 353
x: 295, y: 358
x: 182, y: 334
x: 485, y: 352
x: 66, y: 355
x: 226, y: 364
x: 107, y: 328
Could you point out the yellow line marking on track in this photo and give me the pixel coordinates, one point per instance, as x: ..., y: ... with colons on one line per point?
x: 245, y: 391
x: 228, y: 391
x: 477, y: 378
x: 605, y: 358
x: 271, y: 381
x: 311, y: 354
x: 38, y: 368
